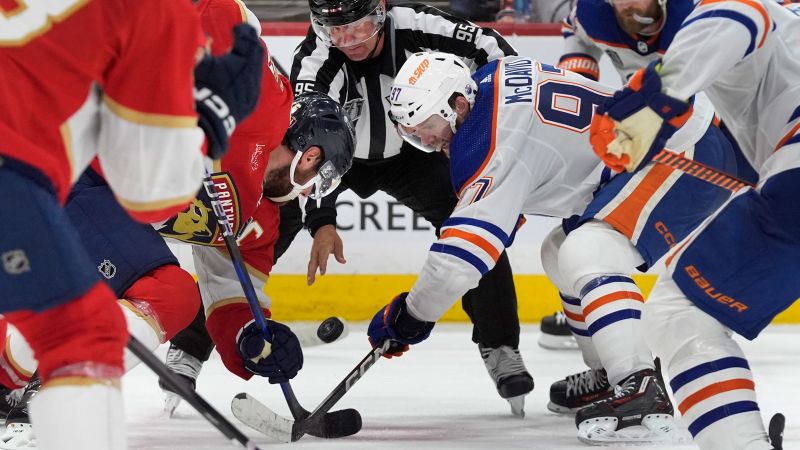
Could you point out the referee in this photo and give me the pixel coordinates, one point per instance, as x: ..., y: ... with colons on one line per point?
x: 352, y: 53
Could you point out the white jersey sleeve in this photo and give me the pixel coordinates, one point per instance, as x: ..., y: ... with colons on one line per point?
x: 477, y: 232
x: 715, y: 37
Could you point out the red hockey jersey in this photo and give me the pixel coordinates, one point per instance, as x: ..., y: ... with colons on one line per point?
x: 110, y: 78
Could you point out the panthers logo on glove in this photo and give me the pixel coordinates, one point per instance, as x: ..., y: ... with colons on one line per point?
x: 635, y: 124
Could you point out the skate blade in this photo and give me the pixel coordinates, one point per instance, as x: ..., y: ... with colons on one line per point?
x: 558, y: 409
x: 655, y: 429
x: 553, y: 342
x: 171, y: 403
x: 517, y: 406
x: 18, y: 436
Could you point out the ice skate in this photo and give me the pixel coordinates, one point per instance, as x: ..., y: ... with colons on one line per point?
x: 187, y: 367
x: 579, y: 390
x: 9, y: 398
x: 637, y: 411
x: 556, y: 334
x: 19, y: 431
x: 510, y: 376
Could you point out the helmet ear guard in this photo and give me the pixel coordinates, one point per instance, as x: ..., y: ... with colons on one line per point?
x: 424, y: 86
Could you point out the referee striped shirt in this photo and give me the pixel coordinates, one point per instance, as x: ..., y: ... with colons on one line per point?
x: 363, y: 87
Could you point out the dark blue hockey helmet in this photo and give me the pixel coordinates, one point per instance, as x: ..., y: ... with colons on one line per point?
x: 317, y: 120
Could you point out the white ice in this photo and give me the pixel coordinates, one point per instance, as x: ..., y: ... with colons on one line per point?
x: 437, y: 396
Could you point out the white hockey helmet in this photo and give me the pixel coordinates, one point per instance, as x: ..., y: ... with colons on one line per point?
x: 423, y: 87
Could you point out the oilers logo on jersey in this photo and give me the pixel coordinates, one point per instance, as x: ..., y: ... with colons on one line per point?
x: 197, y: 224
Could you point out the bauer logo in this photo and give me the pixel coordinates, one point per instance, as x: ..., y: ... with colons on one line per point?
x: 107, y: 269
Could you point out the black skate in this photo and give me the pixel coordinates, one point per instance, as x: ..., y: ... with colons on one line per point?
x: 556, y: 334
x: 9, y: 398
x: 775, y: 431
x: 187, y: 367
x: 637, y: 411
x: 19, y: 431
x: 509, y: 374
x: 576, y: 391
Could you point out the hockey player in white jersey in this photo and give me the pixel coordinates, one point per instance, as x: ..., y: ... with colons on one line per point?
x: 632, y: 33
x: 739, y: 269
x: 516, y: 134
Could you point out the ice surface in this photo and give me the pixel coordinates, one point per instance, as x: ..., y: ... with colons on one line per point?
x: 437, y: 396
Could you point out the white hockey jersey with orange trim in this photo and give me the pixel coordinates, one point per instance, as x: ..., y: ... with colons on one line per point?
x: 524, y: 149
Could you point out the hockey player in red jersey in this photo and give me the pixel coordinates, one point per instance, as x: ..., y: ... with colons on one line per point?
x: 64, y: 101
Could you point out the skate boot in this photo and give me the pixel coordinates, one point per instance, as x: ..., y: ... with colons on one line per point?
x: 19, y: 431
x: 775, y: 431
x: 9, y: 398
x: 637, y: 411
x: 556, y: 334
x: 510, y: 376
x: 187, y: 367
x: 576, y: 391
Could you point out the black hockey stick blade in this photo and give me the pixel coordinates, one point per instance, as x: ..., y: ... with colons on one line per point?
x: 320, y: 423
x: 259, y: 417
x: 193, y: 398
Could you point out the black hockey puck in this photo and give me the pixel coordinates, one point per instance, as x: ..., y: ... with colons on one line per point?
x: 330, y: 329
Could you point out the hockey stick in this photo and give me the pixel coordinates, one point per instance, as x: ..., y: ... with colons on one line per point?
x: 259, y: 417
x: 700, y: 171
x: 330, y: 330
x: 193, y: 398
x: 298, y: 412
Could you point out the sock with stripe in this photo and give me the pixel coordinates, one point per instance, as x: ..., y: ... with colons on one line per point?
x: 714, y: 391
x: 612, y: 309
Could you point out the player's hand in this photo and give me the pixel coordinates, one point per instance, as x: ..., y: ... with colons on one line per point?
x: 635, y: 124
x: 279, y: 360
x: 326, y: 242
x: 394, y: 323
x: 227, y: 88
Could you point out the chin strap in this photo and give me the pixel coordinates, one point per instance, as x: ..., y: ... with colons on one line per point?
x: 377, y: 41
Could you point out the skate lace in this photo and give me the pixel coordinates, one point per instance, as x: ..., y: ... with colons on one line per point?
x: 13, y: 397
x: 585, y: 382
x: 183, y: 363
x: 561, y: 318
x: 627, y: 388
x: 502, y: 362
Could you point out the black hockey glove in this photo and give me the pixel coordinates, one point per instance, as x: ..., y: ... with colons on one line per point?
x: 393, y: 322
x: 227, y: 88
x: 279, y: 362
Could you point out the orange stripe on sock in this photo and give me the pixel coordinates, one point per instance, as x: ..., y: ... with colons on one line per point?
x: 474, y: 239
x: 573, y: 316
x: 714, y: 389
x: 612, y: 297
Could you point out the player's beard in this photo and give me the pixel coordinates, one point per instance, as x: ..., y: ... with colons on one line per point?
x: 277, y: 183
